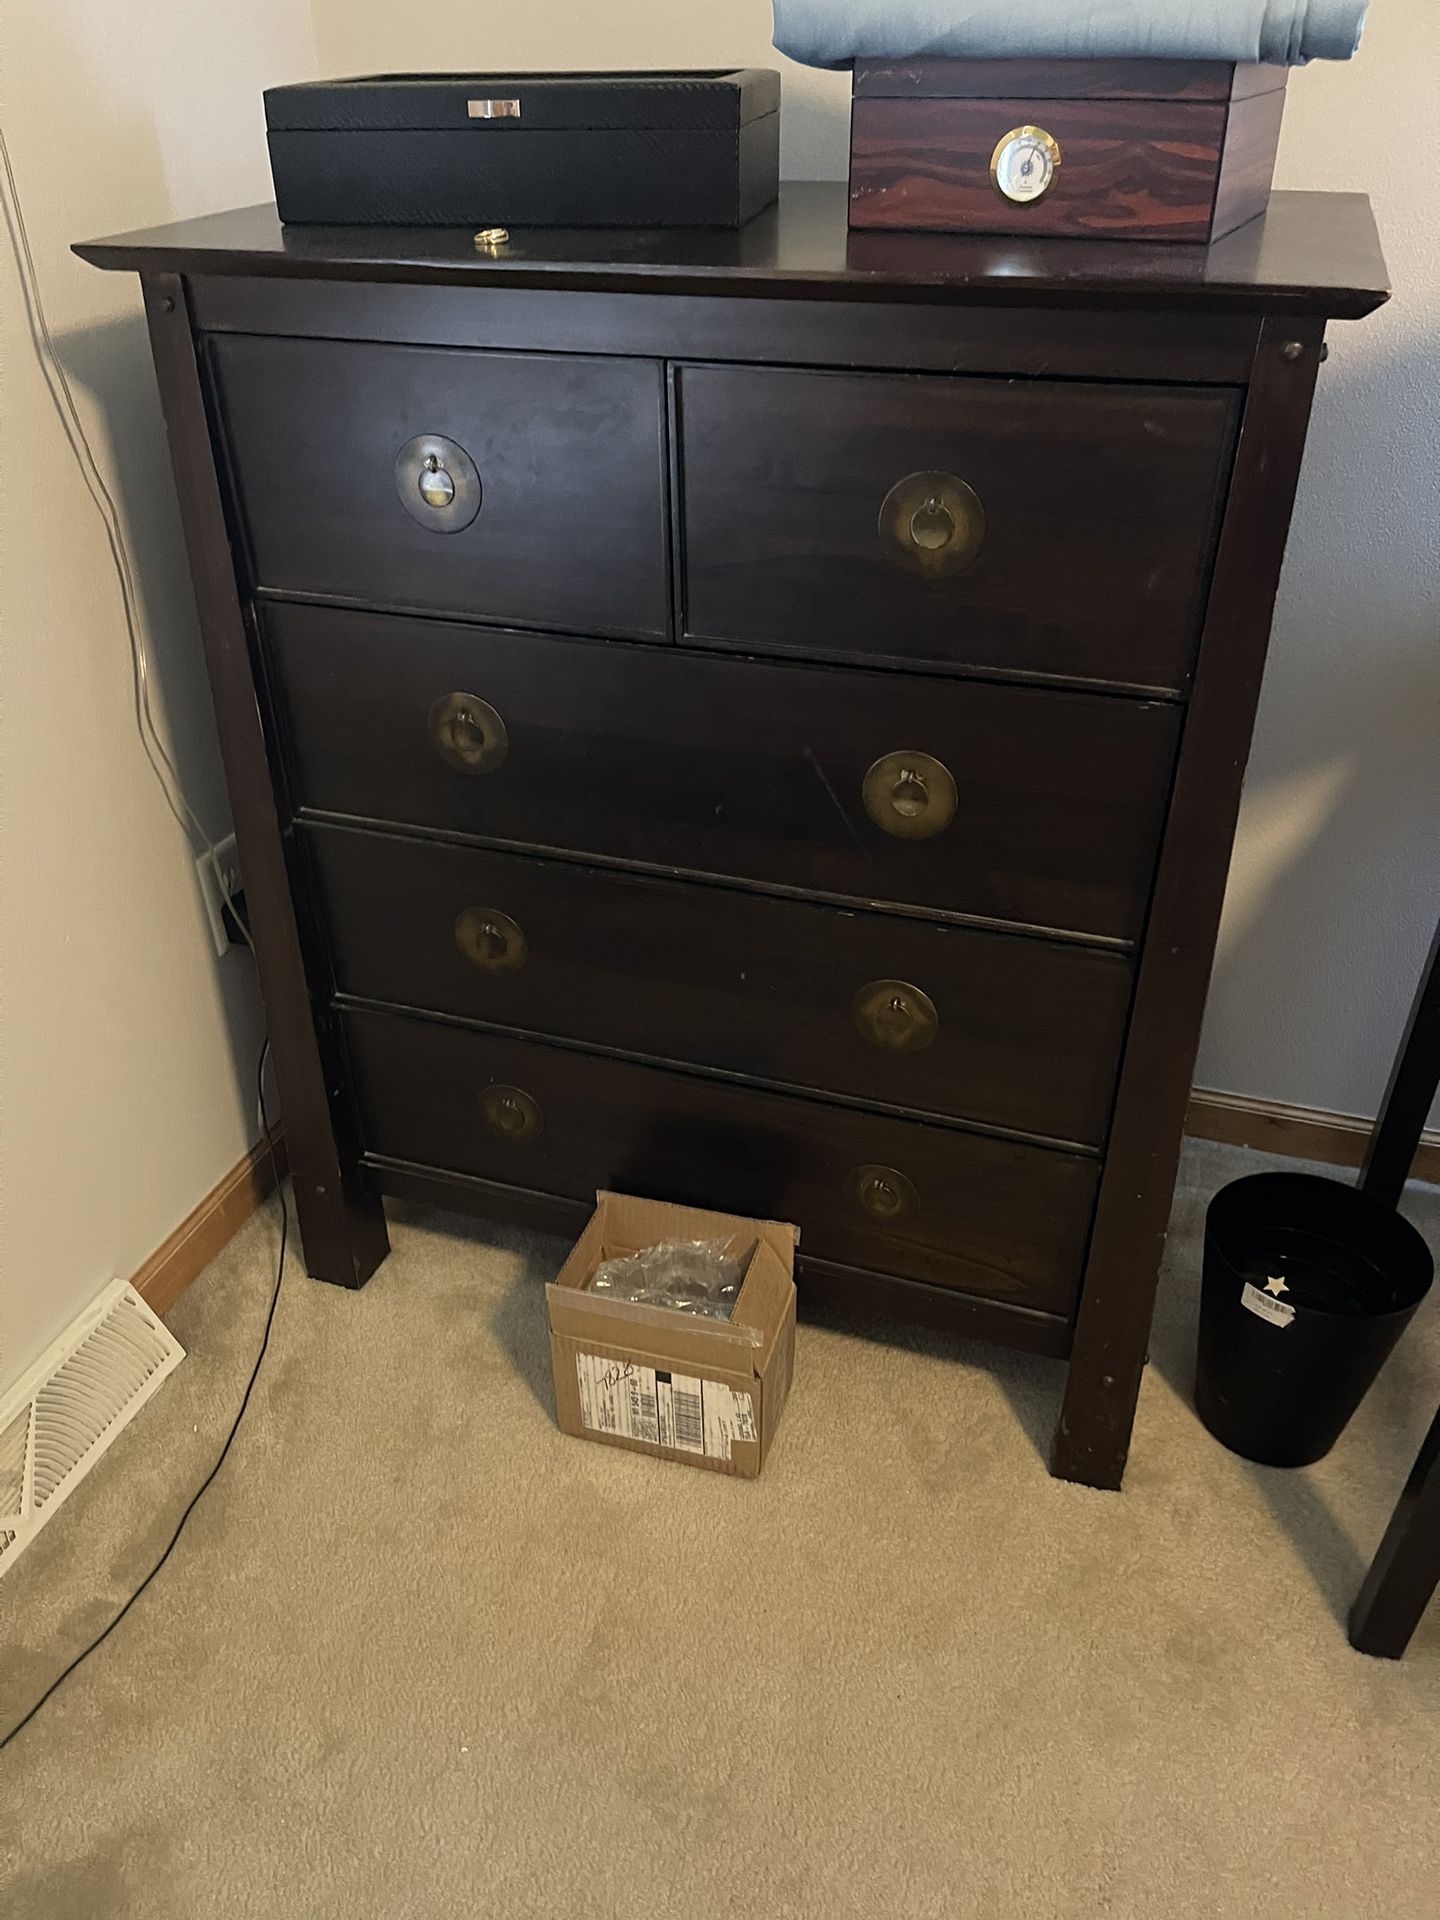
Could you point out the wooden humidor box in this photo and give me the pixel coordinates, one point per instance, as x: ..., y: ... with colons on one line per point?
x: 1143, y: 149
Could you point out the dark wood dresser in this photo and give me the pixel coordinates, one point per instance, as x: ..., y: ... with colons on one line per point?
x: 755, y: 719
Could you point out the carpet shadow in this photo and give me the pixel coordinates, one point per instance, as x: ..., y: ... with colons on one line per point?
x: 522, y: 1327
x: 518, y: 1318
x: 1323, y: 1546
x: 1031, y: 1383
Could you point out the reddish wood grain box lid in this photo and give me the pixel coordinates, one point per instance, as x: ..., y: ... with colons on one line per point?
x: 1124, y: 149
x: 708, y: 1393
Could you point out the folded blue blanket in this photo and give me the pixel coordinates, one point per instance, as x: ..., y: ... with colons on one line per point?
x: 833, y: 33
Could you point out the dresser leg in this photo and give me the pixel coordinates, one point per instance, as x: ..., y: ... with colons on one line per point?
x: 342, y: 1221
x: 1112, y: 1328
x: 1092, y: 1440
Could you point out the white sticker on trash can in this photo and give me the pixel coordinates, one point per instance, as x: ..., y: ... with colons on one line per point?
x: 1278, y: 1312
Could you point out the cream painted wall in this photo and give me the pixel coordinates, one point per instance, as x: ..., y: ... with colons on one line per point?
x: 1335, y: 885
x: 127, y: 1051
x: 371, y: 36
x: 1336, y: 880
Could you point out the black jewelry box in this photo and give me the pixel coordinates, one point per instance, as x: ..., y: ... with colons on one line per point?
x: 527, y: 149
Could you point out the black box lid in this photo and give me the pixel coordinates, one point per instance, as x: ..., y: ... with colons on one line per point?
x: 382, y: 102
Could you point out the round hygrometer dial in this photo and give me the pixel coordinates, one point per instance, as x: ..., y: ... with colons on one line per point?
x: 1025, y: 165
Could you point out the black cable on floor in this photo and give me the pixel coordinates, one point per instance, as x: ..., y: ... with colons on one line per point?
x: 204, y: 1486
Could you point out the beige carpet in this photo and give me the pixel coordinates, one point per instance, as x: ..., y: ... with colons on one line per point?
x: 420, y: 1655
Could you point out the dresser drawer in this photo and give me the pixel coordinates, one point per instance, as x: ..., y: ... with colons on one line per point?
x: 549, y: 486
x: 1041, y: 808
x: 993, y: 1028
x: 1014, y: 525
x: 986, y: 1216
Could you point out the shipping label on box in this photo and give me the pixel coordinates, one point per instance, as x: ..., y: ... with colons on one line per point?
x: 661, y: 1407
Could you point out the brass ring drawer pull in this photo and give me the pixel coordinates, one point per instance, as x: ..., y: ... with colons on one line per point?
x: 438, y: 483
x: 884, y: 1193
x: 933, y: 522
x: 491, y: 941
x: 512, y: 1114
x: 910, y: 795
x: 898, y: 1018
x: 468, y: 734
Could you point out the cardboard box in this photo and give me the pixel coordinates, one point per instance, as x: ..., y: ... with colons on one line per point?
x: 708, y: 1393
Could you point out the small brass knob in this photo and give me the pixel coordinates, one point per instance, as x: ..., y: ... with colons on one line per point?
x: 491, y: 941
x: 884, y: 1193
x: 896, y: 1017
x: 932, y: 525
x: 438, y: 483
x: 910, y: 795
x: 512, y: 1114
x: 468, y: 734
x: 437, y: 489
x: 932, y: 522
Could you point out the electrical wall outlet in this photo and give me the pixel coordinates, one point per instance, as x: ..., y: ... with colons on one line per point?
x: 221, y: 881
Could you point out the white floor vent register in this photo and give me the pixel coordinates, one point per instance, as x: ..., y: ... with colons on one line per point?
x: 71, y: 1405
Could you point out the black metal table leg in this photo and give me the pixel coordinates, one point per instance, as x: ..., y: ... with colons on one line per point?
x: 1410, y: 1094
x: 1406, y: 1570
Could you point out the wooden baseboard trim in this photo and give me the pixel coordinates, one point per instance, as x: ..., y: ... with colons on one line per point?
x: 1299, y: 1133
x: 211, y: 1227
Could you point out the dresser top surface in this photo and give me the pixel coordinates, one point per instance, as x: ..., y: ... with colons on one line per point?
x: 1311, y: 253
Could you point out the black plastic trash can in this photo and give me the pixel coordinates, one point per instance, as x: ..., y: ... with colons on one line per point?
x: 1307, y: 1287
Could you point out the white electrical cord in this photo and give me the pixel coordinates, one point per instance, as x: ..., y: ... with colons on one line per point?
x: 69, y: 415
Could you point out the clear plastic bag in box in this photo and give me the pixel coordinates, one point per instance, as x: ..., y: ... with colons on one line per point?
x: 690, y: 1276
